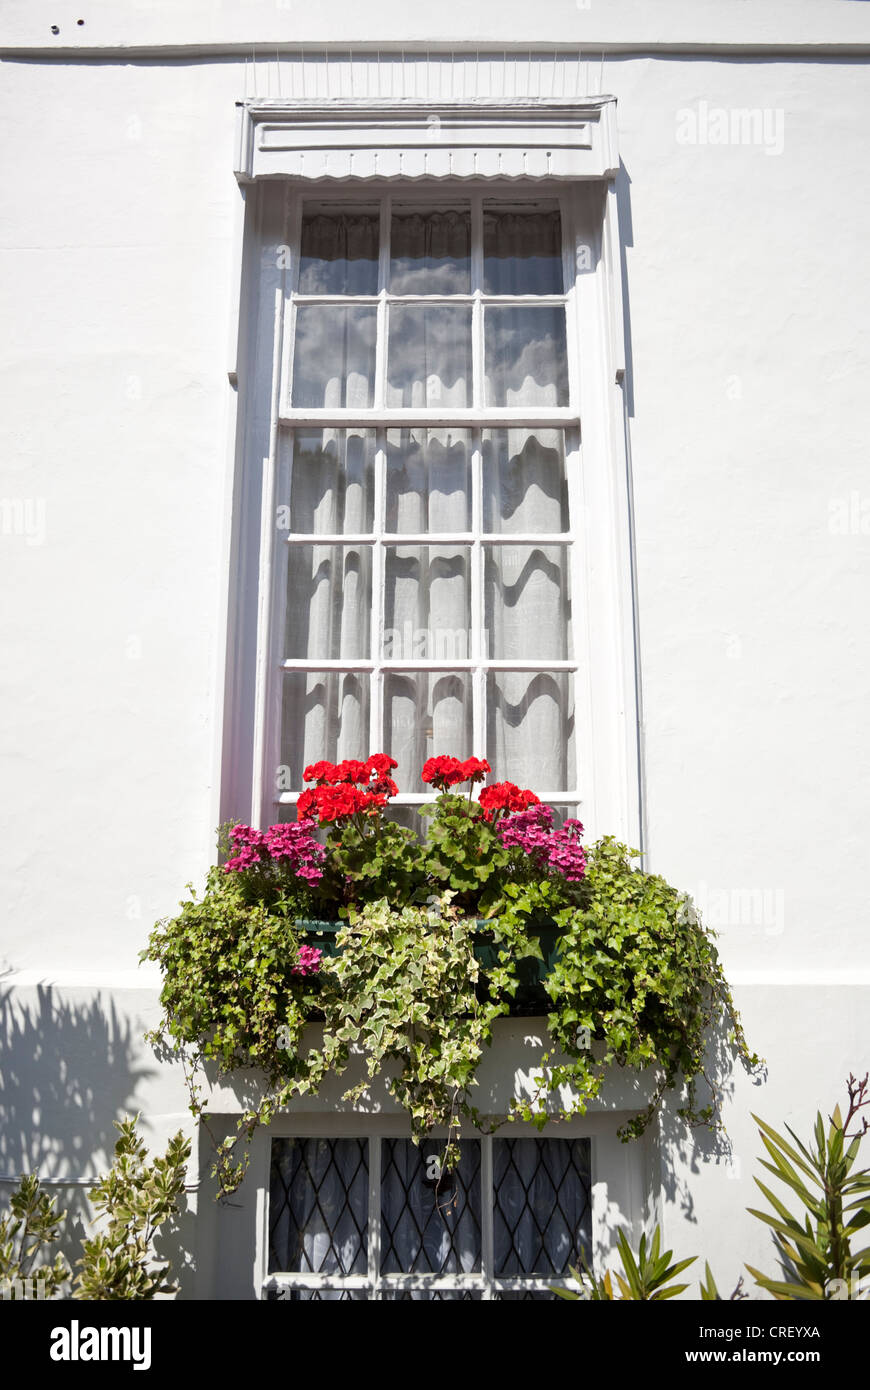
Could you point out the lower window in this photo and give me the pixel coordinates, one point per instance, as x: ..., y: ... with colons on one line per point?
x: 375, y: 1218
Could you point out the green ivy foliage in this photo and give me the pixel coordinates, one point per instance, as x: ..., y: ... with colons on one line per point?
x: 637, y: 982
x: 638, y: 972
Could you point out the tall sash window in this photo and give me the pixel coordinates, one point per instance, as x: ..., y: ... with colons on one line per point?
x: 426, y: 491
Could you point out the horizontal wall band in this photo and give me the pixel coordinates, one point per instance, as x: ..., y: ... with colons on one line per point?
x: 597, y: 48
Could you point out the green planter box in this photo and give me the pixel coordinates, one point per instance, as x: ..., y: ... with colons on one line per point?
x: 530, y: 999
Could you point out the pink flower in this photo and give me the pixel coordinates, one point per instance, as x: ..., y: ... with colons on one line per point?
x: 290, y: 845
x: 532, y: 832
x: 308, y: 961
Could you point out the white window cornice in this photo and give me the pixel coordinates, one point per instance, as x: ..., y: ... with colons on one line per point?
x: 409, y: 139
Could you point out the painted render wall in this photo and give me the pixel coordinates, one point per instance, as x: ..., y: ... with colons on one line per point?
x: 747, y: 308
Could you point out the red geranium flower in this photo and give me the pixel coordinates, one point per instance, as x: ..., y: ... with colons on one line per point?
x: 506, y: 796
x: 335, y: 802
x: 384, y: 785
x: 444, y: 772
x: 319, y: 772
x: 474, y: 769
x: 351, y: 770
x: 380, y: 763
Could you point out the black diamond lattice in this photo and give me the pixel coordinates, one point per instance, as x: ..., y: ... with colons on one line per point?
x: 428, y: 1228
x: 542, y: 1218
x: 318, y: 1206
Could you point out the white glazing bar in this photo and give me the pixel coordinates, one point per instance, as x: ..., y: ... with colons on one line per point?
x: 340, y: 663
x: 374, y: 1232
x: 432, y: 300
x: 394, y: 538
x: 528, y: 417
x: 285, y: 1280
x: 376, y: 626
x: 487, y: 1198
x: 477, y: 304
x: 478, y: 678
x: 567, y: 797
x: 584, y: 731
x: 417, y: 1283
x: 334, y: 538
x: 382, y: 329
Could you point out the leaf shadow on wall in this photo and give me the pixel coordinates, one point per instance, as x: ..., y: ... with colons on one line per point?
x: 686, y: 1151
x: 67, y: 1072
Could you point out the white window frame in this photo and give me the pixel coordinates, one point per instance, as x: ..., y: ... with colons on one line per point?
x: 605, y: 705
x: 616, y: 1195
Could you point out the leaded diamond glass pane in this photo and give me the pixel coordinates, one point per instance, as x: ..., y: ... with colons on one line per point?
x: 318, y: 1206
x: 542, y: 1220
x: 429, y: 1226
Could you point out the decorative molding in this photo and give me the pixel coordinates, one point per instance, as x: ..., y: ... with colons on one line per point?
x: 542, y: 139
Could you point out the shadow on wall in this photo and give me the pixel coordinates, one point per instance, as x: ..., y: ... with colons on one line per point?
x: 684, y: 1150
x: 67, y: 1072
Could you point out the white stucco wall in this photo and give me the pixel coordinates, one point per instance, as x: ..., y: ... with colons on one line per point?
x: 747, y: 314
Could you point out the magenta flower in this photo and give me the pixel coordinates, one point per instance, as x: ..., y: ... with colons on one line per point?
x: 291, y: 845
x: 308, y: 962
x: 532, y: 832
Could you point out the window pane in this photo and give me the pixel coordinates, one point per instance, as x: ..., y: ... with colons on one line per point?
x: 526, y: 355
x: 331, y: 481
x: 428, y: 480
x: 527, y: 602
x: 426, y: 713
x: 325, y: 714
x: 524, y: 484
x: 430, y: 252
x: 318, y: 1206
x: 329, y: 595
x: 339, y: 253
x: 530, y: 729
x: 522, y: 252
x: 334, y: 356
x: 543, y: 1206
x: 428, y: 1229
x: 429, y: 358
x: 426, y: 600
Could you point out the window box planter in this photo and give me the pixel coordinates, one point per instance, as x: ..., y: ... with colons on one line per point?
x: 531, y: 998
